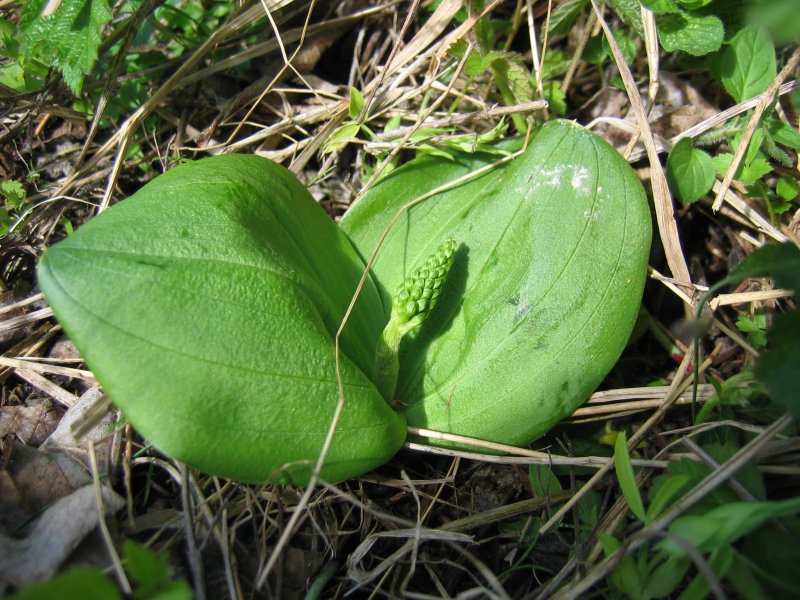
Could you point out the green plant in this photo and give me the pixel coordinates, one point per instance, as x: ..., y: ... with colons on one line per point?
x: 14, y: 197
x: 208, y: 303
x: 727, y: 535
x: 736, y: 43
x: 66, y: 38
x: 149, y: 573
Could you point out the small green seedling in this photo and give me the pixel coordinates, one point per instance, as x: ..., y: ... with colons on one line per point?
x: 208, y: 303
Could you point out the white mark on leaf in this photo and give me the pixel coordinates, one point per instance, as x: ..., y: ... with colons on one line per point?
x: 579, y: 178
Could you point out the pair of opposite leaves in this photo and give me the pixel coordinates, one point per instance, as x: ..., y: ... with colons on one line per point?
x: 207, y: 304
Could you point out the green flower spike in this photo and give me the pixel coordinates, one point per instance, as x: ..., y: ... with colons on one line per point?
x: 410, y: 307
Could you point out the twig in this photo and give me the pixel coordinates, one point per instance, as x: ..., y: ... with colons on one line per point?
x: 192, y: 553
x: 119, y: 571
x: 665, y: 213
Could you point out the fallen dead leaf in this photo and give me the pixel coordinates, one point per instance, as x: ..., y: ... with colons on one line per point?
x: 54, y: 536
x: 40, y: 478
x: 31, y: 423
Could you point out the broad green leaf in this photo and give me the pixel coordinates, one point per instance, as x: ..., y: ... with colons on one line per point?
x: 690, y: 172
x: 206, y: 305
x: 69, y: 37
x: 544, y: 290
x: 626, y: 478
x: 695, y: 35
x: 748, y: 64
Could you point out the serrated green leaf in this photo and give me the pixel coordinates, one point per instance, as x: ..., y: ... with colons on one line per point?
x: 356, y: 103
x: 556, y: 98
x: 13, y: 193
x: 748, y: 64
x: 757, y: 336
x: 556, y: 63
x: 693, y: 4
x: 458, y: 48
x: 725, y: 524
x: 499, y: 349
x: 69, y: 37
x: 661, y: 6
x: 787, y: 188
x: 746, y: 324
x: 722, y: 162
x: 630, y: 12
x: 695, y: 35
x: 754, y: 170
x: 690, y: 172
x: 516, y: 75
x: 565, y: 14
x: 206, y: 305
x: 626, y: 477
